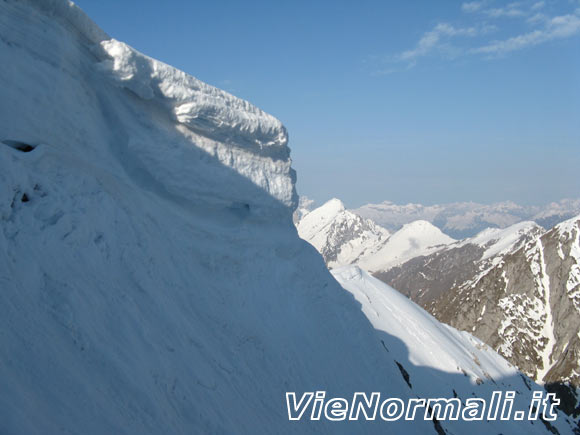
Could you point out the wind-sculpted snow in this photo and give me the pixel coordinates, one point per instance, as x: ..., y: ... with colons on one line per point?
x: 201, y: 107
x: 233, y: 131
x: 96, y: 97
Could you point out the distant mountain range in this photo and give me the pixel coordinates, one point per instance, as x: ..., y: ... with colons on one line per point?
x: 465, y: 219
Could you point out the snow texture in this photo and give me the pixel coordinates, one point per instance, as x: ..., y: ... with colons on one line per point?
x: 414, y: 239
x: 151, y: 280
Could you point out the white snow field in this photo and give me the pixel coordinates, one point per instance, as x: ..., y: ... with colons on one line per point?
x: 413, y: 240
x: 151, y: 280
x: 498, y: 241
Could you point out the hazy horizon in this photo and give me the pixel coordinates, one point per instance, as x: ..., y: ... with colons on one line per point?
x: 350, y: 205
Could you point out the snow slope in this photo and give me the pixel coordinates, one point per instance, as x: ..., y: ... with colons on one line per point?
x: 413, y: 240
x: 429, y: 344
x: 497, y: 241
x: 151, y: 280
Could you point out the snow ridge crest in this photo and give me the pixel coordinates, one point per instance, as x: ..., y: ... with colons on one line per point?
x: 202, y: 108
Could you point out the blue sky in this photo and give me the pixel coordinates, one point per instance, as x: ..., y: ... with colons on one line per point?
x: 418, y: 101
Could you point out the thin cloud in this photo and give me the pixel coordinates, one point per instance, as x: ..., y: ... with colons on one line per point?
x: 472, y: 6
x: 448, y: 41
x: 511, y: 11
x: 431, y: 40
x: 560, y: 27
x: 538, y: 5
x: 488, y: 28
x: 537, y: 18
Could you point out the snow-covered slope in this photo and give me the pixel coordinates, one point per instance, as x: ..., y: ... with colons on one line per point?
x: 497, y: 241
x: 344, y: 238
x: 151, y: 280
x: 429, y: 342
x: 413, y: 240
x: 466, y: 219
x: 526, y: 304
x: 516, y: 289
x: 426, y: 277
x: 464, y: 365
x: 340, y: 236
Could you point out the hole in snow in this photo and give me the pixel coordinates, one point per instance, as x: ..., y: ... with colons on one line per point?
x: 18, y: 145
x: 240, y: 209
x: 25, y: 198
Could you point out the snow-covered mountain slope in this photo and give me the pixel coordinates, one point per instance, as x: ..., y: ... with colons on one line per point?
x: 425, y: 277
x: 151, y: 280
x: 340, y: 236
x: 496, y: 241
x: 344, y: 238
x: 466, y: 219
x: 527, y: 306
x: 464, y: 365
x: 415, y: 239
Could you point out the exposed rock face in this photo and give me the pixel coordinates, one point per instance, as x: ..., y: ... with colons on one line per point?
x: 524, y: 301
x: 426, y: 278
x: 526, y: 305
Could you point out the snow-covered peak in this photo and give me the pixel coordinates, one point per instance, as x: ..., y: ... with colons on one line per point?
x: 414, y: 239
x: 343, y: 238
x: 568, y: 226
x: 423, y: 227
x: 332, y: 207
x: 316, y: 220
x: 497, y: 240
x: 339, y: 235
